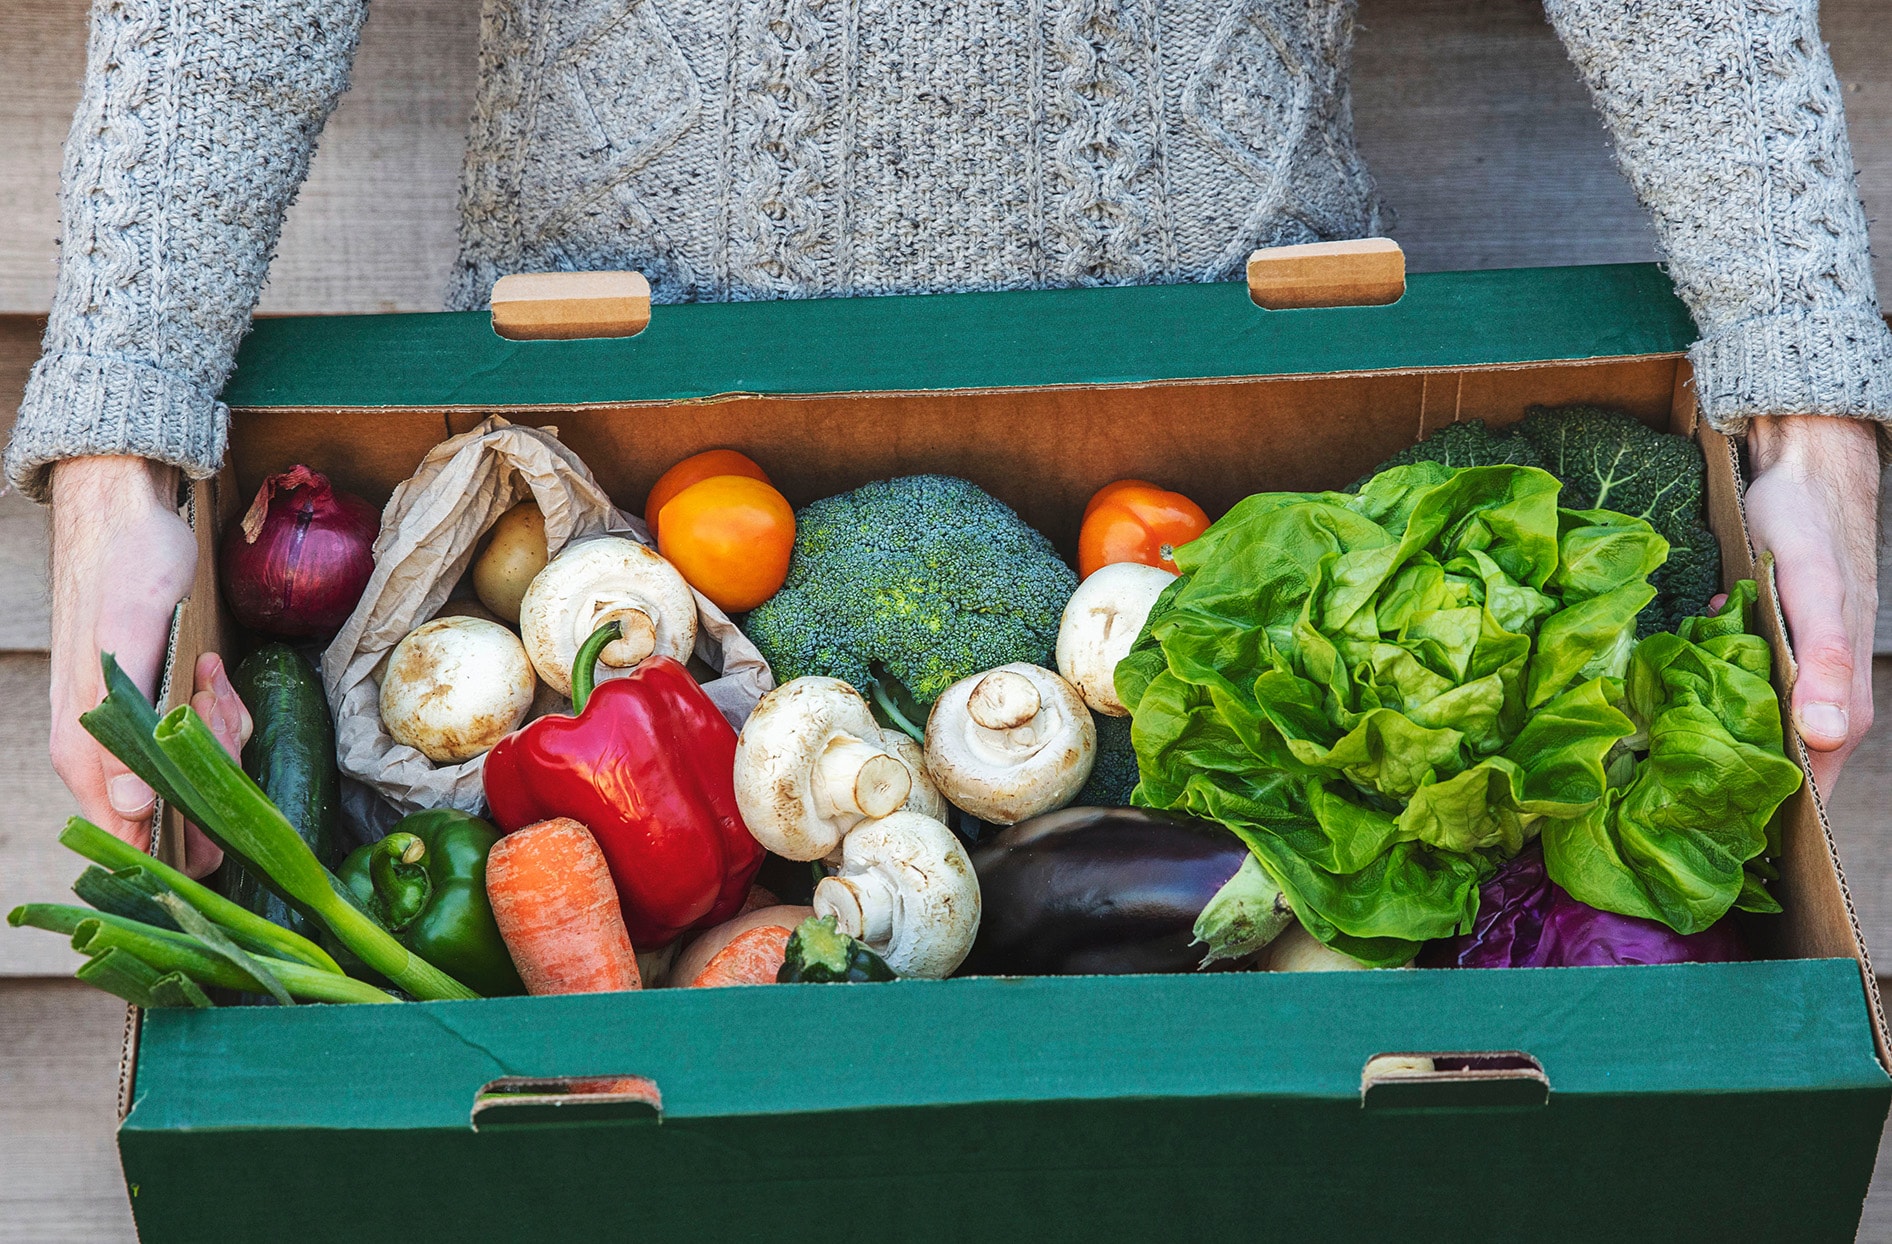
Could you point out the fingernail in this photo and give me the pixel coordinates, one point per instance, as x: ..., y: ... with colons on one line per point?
x: 1825, y: 720
x: 128, y: 795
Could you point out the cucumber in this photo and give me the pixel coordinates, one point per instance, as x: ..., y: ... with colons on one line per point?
x: 291, y: 754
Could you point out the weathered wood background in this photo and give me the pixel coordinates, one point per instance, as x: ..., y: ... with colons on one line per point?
x: 1467, y: 110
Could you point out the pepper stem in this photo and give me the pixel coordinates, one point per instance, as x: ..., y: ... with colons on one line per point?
x: 402, y: 887
x: 585, y: 667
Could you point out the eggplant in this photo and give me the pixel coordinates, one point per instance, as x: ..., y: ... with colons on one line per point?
x: 1098, y: 891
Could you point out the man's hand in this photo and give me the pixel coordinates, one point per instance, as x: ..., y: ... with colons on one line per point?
x: 1814, y: 504
x: 122, y: 559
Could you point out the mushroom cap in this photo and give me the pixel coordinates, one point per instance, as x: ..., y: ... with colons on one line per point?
x: 924, y: 798
x: 1101, y: 621
x: 810, y: 766
x: 1032, y: 753
x: 906, y: 888
x: 584, y: 587
x: 454, y: 687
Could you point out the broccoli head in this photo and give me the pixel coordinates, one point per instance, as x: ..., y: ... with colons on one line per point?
x: 1466, y: 444
x: 1115, y: 774
x: 924, y: 579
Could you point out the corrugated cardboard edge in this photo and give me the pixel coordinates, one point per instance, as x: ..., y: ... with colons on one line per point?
x: 482, y: 409
x: 1727, y: 503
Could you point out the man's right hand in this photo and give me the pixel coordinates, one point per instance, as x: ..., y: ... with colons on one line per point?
x: 122, y: 558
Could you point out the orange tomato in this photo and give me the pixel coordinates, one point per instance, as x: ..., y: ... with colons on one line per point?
x: 729, y: 536
x: 1133, y: 520
x: 695, y: 468
x: 1104, y: 494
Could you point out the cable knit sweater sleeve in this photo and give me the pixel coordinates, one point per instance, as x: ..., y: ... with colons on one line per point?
x: 1728, y: 123
x: 195, y: 129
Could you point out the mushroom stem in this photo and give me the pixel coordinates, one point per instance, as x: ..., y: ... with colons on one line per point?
x: 859, y: 777
x: 1004, y: 700
x: 862, y: 906
x: 633, y: 616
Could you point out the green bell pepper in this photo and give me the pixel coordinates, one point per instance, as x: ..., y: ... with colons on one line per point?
x: 426, y: 881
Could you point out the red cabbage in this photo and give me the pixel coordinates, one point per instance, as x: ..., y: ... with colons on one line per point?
x: 1525, y: 920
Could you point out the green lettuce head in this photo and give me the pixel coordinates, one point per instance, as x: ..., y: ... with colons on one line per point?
x: 1386, y: 693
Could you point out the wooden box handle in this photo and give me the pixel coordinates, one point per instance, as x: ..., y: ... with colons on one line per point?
x: 1369, y: 272
x: 564, y: 306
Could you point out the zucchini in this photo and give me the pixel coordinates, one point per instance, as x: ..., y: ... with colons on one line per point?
x: 291, y: 755
x: 820, y: 954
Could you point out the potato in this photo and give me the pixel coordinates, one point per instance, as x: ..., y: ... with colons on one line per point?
x: 515, y: 552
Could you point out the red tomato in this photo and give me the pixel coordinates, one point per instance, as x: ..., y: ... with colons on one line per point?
x: 1135, y: 521
x: 730, y: 537
x: 696, y: 467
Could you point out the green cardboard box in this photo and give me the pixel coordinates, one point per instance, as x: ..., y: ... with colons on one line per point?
x: 1711, y: 1102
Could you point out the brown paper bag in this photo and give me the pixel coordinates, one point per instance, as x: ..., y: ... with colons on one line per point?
x: 429, y: 531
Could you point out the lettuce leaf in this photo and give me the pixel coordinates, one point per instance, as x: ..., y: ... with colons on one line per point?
x: 1386, y: 694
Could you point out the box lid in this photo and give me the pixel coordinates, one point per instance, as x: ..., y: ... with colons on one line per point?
x: 1123, y: 335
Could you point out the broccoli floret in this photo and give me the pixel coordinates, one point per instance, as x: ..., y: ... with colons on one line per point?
x: 1609, y: 461
x: 924, y: 580
x: 1466, y: 444
x: 1115, y: 774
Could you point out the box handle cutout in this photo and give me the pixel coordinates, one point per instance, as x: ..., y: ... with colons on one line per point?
x: 524, y: 1101
x: 1367, y: 272
x: 1477, y: 1080
x: 568, y: 306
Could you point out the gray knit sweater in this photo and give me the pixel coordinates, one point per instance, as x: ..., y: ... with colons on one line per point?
x: 743, y: 149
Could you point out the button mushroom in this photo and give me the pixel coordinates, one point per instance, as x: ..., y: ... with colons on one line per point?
x: 810, y: 766
x: 1010, y: 743
x: 925, y: 797
x: 906, y: 888
x: 1101, y: 621
x: 454, y: 687
x: 598, y: 581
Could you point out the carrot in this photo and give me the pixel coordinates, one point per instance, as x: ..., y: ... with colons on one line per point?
x: 750, y: 959
x: 706, y: 945
x: 558, y: 911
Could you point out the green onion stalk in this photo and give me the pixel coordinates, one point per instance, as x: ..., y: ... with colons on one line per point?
x: 97, y: 934
x: 184, y: 763
x: 245, y: 926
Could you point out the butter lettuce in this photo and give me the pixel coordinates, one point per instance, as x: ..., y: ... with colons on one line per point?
x: 1385, y: 694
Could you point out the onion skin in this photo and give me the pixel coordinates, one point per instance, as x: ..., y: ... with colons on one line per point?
x: 1098, y: 891
x: 298, y: 562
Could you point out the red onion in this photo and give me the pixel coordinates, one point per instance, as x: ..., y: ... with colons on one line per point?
x: 297, y: 563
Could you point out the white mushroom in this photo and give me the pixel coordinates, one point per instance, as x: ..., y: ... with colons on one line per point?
x: 1101, y: 621
x: 811, y: 765
x: 1010, y: 743
x: 925, y: 797
x: 907, y: 889
x: 456, y: 686
x: 599, y: 581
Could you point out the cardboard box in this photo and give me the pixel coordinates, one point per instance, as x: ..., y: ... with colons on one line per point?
x: 1737, y: 1101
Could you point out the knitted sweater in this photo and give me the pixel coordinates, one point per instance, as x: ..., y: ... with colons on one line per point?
x: 790, y: 148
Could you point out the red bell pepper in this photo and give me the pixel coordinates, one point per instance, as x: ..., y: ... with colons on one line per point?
x: 646, y: 763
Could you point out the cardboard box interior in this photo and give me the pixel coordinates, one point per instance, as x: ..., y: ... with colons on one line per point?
x: 1044, y: 451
